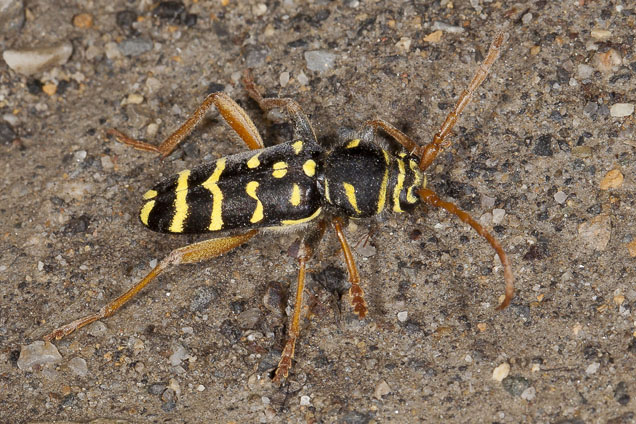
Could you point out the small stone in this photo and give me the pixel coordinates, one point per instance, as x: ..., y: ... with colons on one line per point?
x: 526, y: 18
x: 200, y: 388
x: 283, y: 79
x: 529, y: 394
x: 404, y: 45
x: 152, y: 129
x: 515, y: 385
x: 134, y: 99
x: 107, y: 163
x: 30, y: 61
x: 606, y: 62
x: 319, y: 60
x: 600, y: 34
x: 402, y: 316
x: 560, y: 197
x: 7, y: 133
x: 179, y: 353
x: 595, y: 233
x: 38, y: 353
x: 83, y: 20
x: 305, y: 400
x: 498, y: 216
x: 302, y: 78
x: 631, y: 248
x: 249, y: 319
x: 49, y: 88
x: 434, y: 37
x: 135, y: 46
x: 156, y: 389
x: 381, y: 389
x: 584, y: 71
x: 259, y: 9
x: 592, y: 368
x: 620, y: 110
x: 543, y: 146
x: 613, y: 179
x: 112, y: 50
x: 78, y: 366
x: 203, y: 296
x: 97, y: 329
x: 501, y: 372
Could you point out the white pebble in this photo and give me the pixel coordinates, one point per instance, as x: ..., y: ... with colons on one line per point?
x: 319, y: 60
x: 38, y: 353
x: 501, y: 372
x: 529, y: 394
x: 79, y: 156
x: 30, y: 61
x: 527, y: 18
x: 402, y: 316
x: 592, y: 368
x: 584, y: 71
x: 78, y: 366
x: 560, y: 197
x: 498, y: 215
x: 620, y: 110
x: 302, y: 78
x: 107, y: 164
x: 283, y: 79
x: 305, y: 400
x: 259, y: 9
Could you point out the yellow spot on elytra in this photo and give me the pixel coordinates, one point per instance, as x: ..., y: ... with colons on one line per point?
x: 410, y: 197
x: 180, y: 204
x: 301, y: 220
x: 216, y: 220
x: 150, y: 194
x: 250, y: 189
x: 353, y: 143
x: 280, y: 169
x: 350, y: 191
x: 145, y: 211
x: 295, y: 196
x: 253, y: 162
x: 398, y: 186
x: 310, y: 168
x: 298, y: 146
x: 385, y: 180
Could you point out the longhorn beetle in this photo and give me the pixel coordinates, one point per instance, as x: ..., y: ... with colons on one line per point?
x: 299, y: 185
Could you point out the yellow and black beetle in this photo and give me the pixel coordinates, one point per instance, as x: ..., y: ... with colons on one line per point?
x: 299, y: 184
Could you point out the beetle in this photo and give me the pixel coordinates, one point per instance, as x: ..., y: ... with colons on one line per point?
x: 299, y: 185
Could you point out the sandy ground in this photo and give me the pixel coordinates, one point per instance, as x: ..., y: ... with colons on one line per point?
x: 540, y: 157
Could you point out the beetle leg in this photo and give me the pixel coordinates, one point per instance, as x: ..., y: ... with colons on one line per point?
x: 355, y: 291
x: 431, y: 198
x: 308, y: 244
x: 431, y: 150
x: 231, y: 112
x: 370, y: 127
x: 302, y: 126
x: 192, y: 253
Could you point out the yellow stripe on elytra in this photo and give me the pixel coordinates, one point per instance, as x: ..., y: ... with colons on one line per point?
x: 410, y: 197
x: 250, y: 189
x: 145, y: 211
x: 150, y: 194
x: 309, y: 167
x: 398, y: 186
x: 298, y: 146
x: 353, y: 143
x: 294, y: 199
x: 280, y: 169
x: 327, y: 196
x: 180, y: 204
x: 385, y: 180
x: 216, y: 220
x: 301, y: 220
x: 253, y: 162
x: 350, y: 191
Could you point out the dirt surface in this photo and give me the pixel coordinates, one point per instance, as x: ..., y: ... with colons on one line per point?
x: 539, y: 157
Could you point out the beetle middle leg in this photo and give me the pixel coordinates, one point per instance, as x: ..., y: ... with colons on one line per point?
x: 231, y: 112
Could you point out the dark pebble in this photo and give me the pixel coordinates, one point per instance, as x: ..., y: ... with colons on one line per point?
x: 77, y: 224
x: 515, y: 384
x: 125, y: 19
x: 34, y: 86
x: 7, y: 134
x: 215, y: 87
x: 168, y: 406
x: 156, y: 388
x: 203, y: 296
x: 230, y: 331
x: 620, y: 393
x: 170, y: 10
x: 543, y: 146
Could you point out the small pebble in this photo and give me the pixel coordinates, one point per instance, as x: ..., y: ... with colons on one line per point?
x: 381, y: 389
x: 526, y: 18
x: 97, y: 329
x: 49, y: 88
x: 631, y: 248
x: 402, y: 316
x: 302, y: 78
x: 134, y: 99
x: 529, y: 394
x: 319, y: 60
x: 605, y: 62
x: 501, y: 372
x: 179, y: 353
x: 498, y: 216
x: 560, y: 197
x: 152, y: 129
x: 259, y: 9
x: 38, y: 353
x: 515, y: 385
x: 78, y: 366
x: 620, y: 110
x: 433, y: 37
x: 283, y: 79
x: 30, y: 61
x: 200, y: 388
x: 404, y: 45
x: 83, y: 20
x: 595, y: 233
x: 592, y: 368
x: 613, y: 179
x: 305, y: 400
x: 107, y: 163
x: 134, y: 46
x: 600, y: 34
